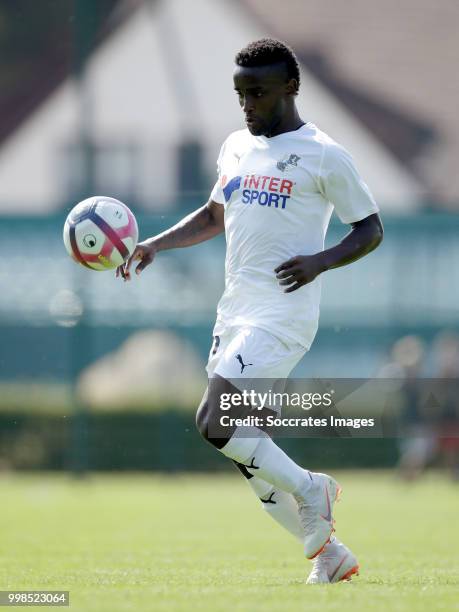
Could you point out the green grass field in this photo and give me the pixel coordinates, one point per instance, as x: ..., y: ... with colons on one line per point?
x: 138, y: 542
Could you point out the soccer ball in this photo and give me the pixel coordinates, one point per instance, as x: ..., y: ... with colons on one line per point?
x: 100, y: 233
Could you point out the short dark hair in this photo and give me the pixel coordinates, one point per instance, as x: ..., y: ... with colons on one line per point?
x: 268, y: 51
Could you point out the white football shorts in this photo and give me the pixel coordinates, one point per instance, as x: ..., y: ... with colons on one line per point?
x: 241, y: 354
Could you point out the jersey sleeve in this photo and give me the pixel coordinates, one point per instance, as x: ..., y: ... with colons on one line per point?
x: 344, y: 187
x: 217, y: 192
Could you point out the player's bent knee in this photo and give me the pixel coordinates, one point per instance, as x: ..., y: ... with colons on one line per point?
x: 203, y: 424
x: 201, y: 419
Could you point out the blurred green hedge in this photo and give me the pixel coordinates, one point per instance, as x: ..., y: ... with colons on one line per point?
x: 165, y: 441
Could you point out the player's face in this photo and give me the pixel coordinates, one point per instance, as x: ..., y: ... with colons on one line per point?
x: 264, y: 93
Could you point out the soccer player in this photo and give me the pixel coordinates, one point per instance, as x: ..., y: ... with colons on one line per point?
x: 278, y: 182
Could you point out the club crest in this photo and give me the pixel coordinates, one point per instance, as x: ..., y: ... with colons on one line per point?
x: 288, y: 161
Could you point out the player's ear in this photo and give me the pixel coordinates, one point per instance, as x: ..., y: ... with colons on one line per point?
x: 291, y: 88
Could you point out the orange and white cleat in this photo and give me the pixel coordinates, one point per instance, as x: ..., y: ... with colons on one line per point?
x: 334, y: 564
x: 315, y: 510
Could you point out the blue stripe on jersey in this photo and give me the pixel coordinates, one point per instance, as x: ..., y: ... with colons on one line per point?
x: 234, y: 184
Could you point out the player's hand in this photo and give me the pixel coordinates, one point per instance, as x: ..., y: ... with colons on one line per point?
x: 144, y: 252
x: 299, y: 271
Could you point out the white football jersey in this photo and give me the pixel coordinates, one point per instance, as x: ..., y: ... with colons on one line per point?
x: 278, y: 195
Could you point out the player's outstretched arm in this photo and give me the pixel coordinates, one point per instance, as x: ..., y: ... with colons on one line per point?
x: 199, y: 226
x: 364, y: 237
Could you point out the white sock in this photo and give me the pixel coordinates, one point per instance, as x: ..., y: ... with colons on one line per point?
x: 267, y: 461
x: 281, y: 506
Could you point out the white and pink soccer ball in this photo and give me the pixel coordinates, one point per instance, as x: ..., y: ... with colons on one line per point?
x: 100, y: 233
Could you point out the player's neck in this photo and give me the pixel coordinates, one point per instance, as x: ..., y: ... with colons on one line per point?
x: 289, y: 123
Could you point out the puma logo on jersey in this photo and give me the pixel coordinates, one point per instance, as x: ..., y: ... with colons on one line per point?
x: 243, y: 365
